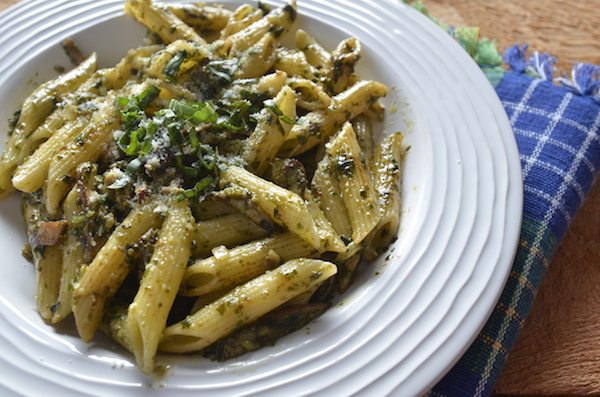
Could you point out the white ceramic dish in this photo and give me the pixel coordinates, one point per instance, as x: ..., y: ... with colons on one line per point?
x: 407, y: 319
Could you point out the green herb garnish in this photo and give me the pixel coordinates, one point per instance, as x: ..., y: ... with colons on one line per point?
x: 172, y: 67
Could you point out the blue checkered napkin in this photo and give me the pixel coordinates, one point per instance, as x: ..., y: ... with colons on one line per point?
x: 557, y: 132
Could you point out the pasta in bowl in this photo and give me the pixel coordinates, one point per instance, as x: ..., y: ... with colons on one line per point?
x: 208, y: 192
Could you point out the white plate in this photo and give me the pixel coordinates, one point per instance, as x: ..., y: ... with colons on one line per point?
x: 407, y: 319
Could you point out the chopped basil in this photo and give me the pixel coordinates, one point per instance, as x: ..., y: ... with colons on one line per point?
x: 132, y: 110
x: 224, y: 69
x: 130, y: 171
x: 172, y: 67
x: 195, y: 113
x: 270, y: 104
x: 204, y: 184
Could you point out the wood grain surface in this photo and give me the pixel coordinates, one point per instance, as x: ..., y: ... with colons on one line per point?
x: 558, y: 352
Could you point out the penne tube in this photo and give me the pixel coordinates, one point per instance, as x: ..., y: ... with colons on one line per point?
x: 147, y: 314
x: 228, y: 268
x: 132, y: 66
x: 270, y: 132
x: 294, y: 63
x: 48, y: 269
x: 36, y: 108
x: 87, y: 146
x: 315, y: 54
x: 79, y: 103
x: 332, y: 240
x: 46, y: 254
x: 114, y: 324
x: 229, y: 230
x: 340, y: 71
x: 326, y: 190
x: 33, y: 173
x: 207, y: 273
x: 289, y: 246
x: 281, y: 205
x: 310, y: 95
x: 277, y: 21
x: 364, y: 134
x: 244, y: 16
x: 387, y: 161
x: 73, y: 257
x: 245, y: 304
x: 318, y: 126
x: 191, y: 54
x: 164, y: 25
x: 357, y: 189
x: 102, y: 277
x: 257, y: 60
x: 197, y: 15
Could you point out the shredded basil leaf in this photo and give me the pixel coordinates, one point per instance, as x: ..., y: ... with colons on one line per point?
x: 207, y: 182
x: 172, y: 67
x: 224, y: 69
x: 270, y: 104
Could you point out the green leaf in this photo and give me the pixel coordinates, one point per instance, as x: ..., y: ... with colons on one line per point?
x: 130, y: 143
x: 127, y: 176
x: 197, y: 189
x: 194, y: 113
x: 145, y: 98
x: 224, y: 69
x: 172, y: 67
x: 270, y: 104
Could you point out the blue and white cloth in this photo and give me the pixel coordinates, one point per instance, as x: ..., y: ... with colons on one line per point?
x: 557, y: 132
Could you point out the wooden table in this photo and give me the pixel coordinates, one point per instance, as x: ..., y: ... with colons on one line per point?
x: 558, y: 352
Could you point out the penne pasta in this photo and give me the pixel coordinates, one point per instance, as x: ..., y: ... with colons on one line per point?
x: 282, y: 206
x: 386, y: 175
x: 102, y: 277
x: 228, y: 268
x: 319, y: 126
x: 188, y: 54
x: 270, y: 133
x: 356, y: 187
x: 278, y: 21
x: 244, y: 16
x: 315, y: 54
x: 33, y: 173
x: 310, y: 95
x: 228, y: 230
x: 166, y: 27
x: 258, y: 59
x: 34, y: 111
x: 210, y: 186
x: 328, y: 194
x: 340, y: 72
x: 245, y: 304
x: 147, y: 314
x: 200, y: 17
x: 86, y: 146
x: 73, y: 257
x: 294, y: 63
